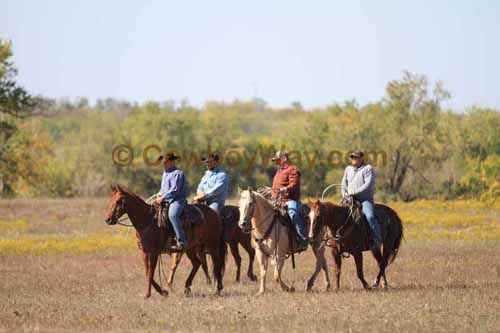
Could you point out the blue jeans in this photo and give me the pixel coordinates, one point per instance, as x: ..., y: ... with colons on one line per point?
x: 216, y: 206
x: 174, y: 213
x: 297, y: 220
x: 368, y: 208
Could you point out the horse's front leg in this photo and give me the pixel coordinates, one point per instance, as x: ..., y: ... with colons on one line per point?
x: 280, y: 262
x: 319, y: 254
x: 262, y: 259
x: 321, y: 264
x: 152, y: 261
x: 251, y: 256
x: 358, y: 258
x: 176, y: 259
x: 337, y: 258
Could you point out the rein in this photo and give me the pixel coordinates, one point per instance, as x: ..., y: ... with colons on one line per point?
x: 336, y: 237
x: 124, y: 218
x: 271, y: 225
x: 268, y: 230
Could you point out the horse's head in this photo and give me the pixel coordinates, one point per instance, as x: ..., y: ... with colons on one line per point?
x: 246, y: 206
x: 116, y: 206
x: 315, y: 219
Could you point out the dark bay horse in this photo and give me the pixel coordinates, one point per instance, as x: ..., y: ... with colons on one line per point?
x: 233, y: 237
x: 204, y: 236
x: 347, y: 236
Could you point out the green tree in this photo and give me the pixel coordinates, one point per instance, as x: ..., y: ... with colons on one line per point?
x: 15, y: 103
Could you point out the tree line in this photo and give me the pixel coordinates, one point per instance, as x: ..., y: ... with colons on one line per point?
x: 64, y: 148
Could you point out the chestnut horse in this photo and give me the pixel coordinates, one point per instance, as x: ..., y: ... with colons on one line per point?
x: 233, y: 237
x: 205, y: 236
x: 351, y: 237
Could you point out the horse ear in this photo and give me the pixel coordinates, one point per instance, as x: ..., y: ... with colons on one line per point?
x: 112, y: 187
x: 317, y: 201
x: 119, y: 188
x: 250, y: 189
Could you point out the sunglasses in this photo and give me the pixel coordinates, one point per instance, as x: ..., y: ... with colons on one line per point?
x: 354, y: 157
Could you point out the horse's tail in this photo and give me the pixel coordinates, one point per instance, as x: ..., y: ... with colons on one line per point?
x: 399, y: 236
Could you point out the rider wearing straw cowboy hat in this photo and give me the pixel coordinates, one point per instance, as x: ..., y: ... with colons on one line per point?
x: 359, y: 182
x: 174, y: 191
x: 286, y: 184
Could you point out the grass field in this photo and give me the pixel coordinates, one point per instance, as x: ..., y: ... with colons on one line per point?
x: 62, y: 268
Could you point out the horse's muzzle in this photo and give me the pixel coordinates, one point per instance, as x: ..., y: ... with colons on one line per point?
x: 244, y: 226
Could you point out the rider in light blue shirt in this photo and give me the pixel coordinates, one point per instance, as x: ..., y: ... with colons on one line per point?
x: 214, y: 185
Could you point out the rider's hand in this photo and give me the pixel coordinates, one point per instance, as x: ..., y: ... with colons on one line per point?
x: 200, y: 197
x: 158, y: 200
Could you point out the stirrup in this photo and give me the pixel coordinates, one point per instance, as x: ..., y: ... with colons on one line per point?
x: 179, y: 247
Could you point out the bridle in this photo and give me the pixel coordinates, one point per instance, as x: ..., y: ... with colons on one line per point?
x: 319, y: 223
x: 246, y: 220
x: 122, y: 210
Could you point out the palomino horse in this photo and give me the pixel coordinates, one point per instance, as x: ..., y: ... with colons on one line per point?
x: 350, y: 237
x: 205, y: 236
x: 269, y: 237
x: 234, y: 236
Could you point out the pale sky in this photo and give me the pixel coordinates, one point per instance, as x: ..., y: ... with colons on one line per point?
x: 315, y: 52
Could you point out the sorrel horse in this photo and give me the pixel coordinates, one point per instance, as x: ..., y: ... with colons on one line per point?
x: 233, y: 237
x: 269, y: 237
x: 205, y: 236
x: 351, y: 237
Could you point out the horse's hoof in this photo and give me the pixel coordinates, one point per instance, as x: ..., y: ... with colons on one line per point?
x: 252, y: 278
x: 164, y: 293
x: 260, y: 293
x: 147, y: 296
x: 291, y: 290
x: 187, y: 292
x: 328, y: 288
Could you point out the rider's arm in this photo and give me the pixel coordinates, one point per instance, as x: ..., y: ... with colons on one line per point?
x: 219, y: 186
x: 369, y: 180
x: 344, y: 185
x: 177, y: 182
x: 293, y: 179
x: 200, y: 185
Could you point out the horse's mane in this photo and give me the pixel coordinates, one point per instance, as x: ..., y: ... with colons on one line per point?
x: 265, y: 191
x: 262, y: 196
x: 331, y: 206
x: 131, y: 194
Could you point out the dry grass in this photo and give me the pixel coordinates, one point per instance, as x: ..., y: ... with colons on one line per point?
x: 436, y: 285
